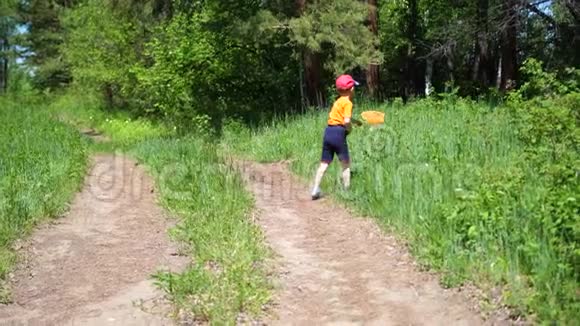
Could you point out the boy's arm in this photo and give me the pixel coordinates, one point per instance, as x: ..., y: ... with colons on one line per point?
x: 348, y: 120
x: 347, y: 114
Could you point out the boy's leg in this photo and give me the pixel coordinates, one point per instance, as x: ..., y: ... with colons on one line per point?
x: 326, y: 159
x: 344, y: 157
x: 318, y: 179
x: 345, y: 174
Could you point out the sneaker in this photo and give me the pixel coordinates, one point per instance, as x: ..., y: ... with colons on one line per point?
x: 316, y: 195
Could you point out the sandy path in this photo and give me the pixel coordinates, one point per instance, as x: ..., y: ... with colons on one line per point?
x: 93, y: 266
x: 341, y: 270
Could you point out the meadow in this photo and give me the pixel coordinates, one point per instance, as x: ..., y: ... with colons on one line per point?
x: 463, y: 184
x: 42, y: 164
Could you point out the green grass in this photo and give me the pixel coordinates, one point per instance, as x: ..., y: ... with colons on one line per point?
x: 449, y: 177
x: 42, y: 164
x: 122, y: 129
x: 228, y: 273
x: 227, y: 276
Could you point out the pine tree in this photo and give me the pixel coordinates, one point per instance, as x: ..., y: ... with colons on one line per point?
x: 334, y: 34
x: 312, y: 64
x: 44, y: 38
x: 7, y: 27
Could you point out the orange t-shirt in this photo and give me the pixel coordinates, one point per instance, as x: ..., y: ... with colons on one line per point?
x: 341, y: 109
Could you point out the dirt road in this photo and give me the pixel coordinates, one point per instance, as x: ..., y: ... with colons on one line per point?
x: 341, y: 270
x: 93, y: 266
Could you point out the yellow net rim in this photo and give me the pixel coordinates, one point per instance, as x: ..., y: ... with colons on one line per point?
x: 373, y: 117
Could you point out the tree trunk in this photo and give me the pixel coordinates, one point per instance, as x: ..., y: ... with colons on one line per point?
x: 482, y: 57
x: 313, y: 74
x: 573, y: 7
x: 372, y: 73
x: 450, y: 69
x: 509, y: 45
x: 6, y: 75
x: 499, y: 73
x: 2, y: 78
x: 312, y: 70
x: 411, y: 73
x: 108, y: 94
x: 428, y: 76
x: 3, y: 65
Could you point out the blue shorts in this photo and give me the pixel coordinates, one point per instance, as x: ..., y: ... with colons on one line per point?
x: 334, y: 142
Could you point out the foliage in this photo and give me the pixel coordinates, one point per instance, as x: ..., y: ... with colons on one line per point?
x: 540, y: 83
x: 440, y: 41
x: 8, y: 17
x: 42, y: 163
x: 549, y: 128
x: 19, y: 82
x: 193, y: 83
x: 338, y: 26
x: 179, y: 83
x: 99, y: 47
x: 43, y: 39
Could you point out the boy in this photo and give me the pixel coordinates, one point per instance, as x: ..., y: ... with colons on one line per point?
x: 334, y: 141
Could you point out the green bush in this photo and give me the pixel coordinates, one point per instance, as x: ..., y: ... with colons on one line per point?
x: 540, y: 83
x: 549, y: 129
x: 199, y: 84
x: 99, y: 49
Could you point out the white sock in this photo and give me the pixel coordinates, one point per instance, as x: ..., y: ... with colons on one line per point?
x: 346, y: 178
x: 318, y: 179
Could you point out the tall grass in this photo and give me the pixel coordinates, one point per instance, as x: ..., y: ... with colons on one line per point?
x: 451, y: 178
x: 42, y: 163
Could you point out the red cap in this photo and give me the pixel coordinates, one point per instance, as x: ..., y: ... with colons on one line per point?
x: 345, y: 82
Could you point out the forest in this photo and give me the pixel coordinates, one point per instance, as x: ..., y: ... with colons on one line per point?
x: 476, y: 168
x: 194, y: 59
